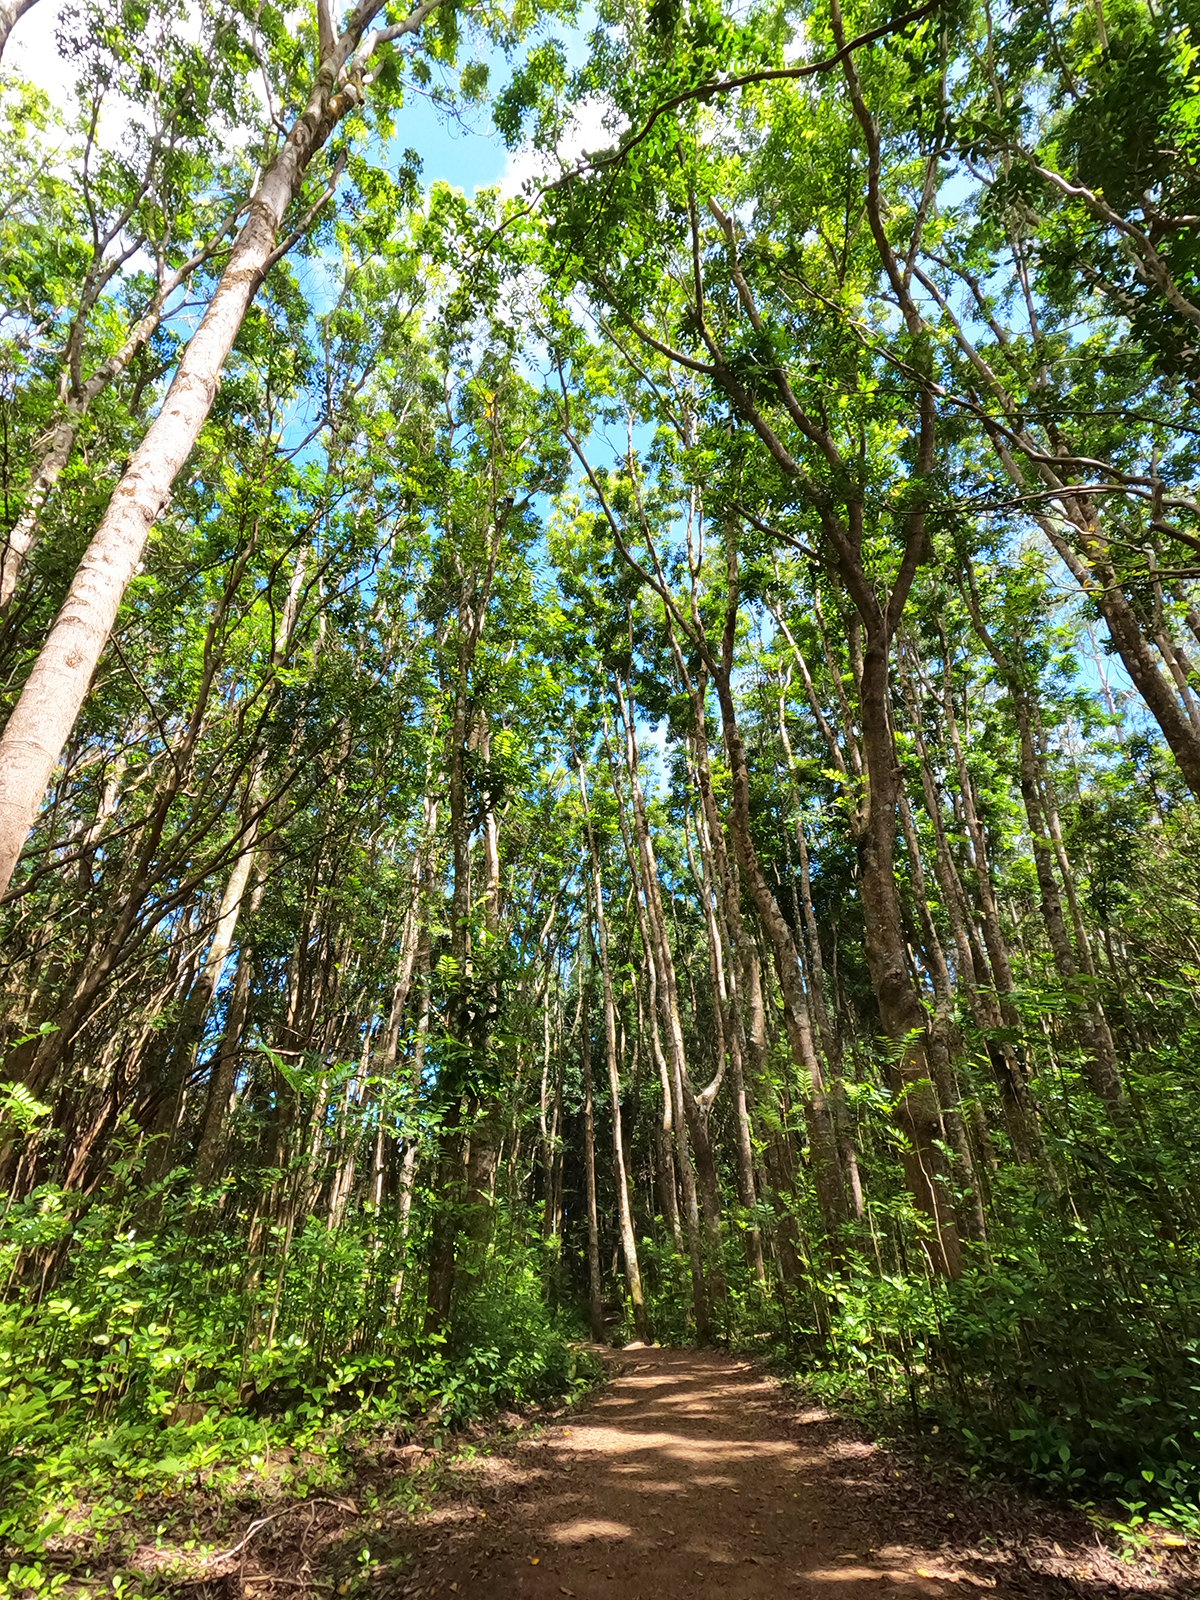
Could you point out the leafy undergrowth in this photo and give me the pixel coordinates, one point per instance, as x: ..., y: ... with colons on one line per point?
x: 151, y: 1405
x: 1023, y: 1374
x: 151, y: 1496
x: 230, y: 1492
x: 1030, y: 1369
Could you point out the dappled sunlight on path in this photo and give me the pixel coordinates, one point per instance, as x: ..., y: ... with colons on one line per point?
x: 686, y: 1478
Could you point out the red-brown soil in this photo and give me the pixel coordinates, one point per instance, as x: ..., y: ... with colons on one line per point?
x: 690, y: 1477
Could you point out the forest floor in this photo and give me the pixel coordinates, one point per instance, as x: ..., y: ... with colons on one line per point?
x: 689, y: 1474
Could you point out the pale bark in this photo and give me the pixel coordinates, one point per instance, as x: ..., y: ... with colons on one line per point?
x: 223, y: 1072
x: 595, y: 1292
x: 50, y: 701
x: 992, y: 1006
x: 939, y: 1041
x: 663, y: 998
x: 728, y: 1040
x: 200, y: 998
x: 830, y: 1042
x: 665, y: 1124
x: 827, y: 1171
x: 408, y: 1162
x: 548, y: 1127
x: 633, y: 1277
x: 11, y: 12
x: 75, y: 399
x: 1091, y: 1024
x: 687, y: 1102
x: 146, y: 870
x: 873, y: 823
x: 466, y: 1162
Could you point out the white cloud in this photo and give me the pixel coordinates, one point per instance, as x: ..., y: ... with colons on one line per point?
x: 595, y: 125
x: 32, y: 53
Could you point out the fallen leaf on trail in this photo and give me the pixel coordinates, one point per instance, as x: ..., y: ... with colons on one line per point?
x: 533, y: 1560
x: 562, y: 1589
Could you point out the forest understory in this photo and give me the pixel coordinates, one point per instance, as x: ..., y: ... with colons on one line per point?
x: 613, y: 760
x: 682, y: 1474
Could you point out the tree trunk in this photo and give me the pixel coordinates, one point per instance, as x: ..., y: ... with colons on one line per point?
x: 939, y: 1038
x: 633, y: 1276
x: 903, y: 1016
x: 595, y: 1290
x: 643, y: 871
x: 11, y: 12
x: 1096, y: 1041
x: 191, y: 1024
x: 49, y: 703
x: 688, y: 1115
x: 827, y: 1174
x: 816, y: 984
x: 223, y: 1072
x: 991, y: 1006
x: 665, y: 1124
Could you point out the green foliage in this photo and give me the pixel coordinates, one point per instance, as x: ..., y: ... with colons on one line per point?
x: 771, y: 474
x: 150, y: 1366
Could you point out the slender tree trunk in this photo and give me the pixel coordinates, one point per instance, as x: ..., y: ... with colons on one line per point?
x: 1110, y: 1073
x: 903, y: 1016
x: 729, y: 1044
x: 664, y: 1125
x: 49, y: 703
x: 827, y: 1174
x: 816, y: 985
x: 223, y: 1072
x: 686, y: 1107
x: 191, y: 1025
x: 992, y: 1006
x: 1101, y: 1068
x: 595, y: 1290
x: 408, y: 1161
x: 939, y: 1039
x: 486, y: 1129
x: 633, y: 1276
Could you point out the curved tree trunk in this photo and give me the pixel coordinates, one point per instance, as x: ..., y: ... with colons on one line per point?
x: 11, y: 12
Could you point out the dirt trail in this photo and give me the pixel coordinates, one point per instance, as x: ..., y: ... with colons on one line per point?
x: 687, y: 1477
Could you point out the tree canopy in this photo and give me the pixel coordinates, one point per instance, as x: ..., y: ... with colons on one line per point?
x: 622, y: 757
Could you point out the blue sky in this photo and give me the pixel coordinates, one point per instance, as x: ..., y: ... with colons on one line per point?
x: 467, y: 160
x: 468, y: 157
